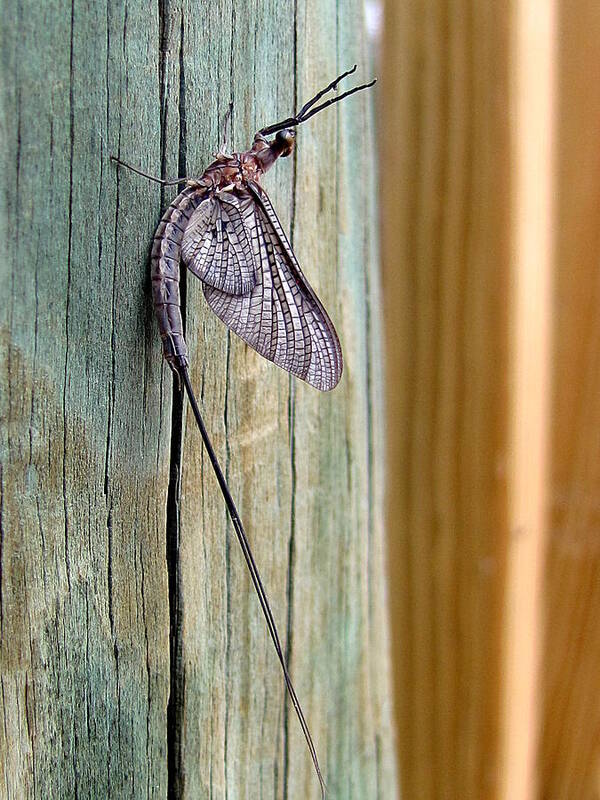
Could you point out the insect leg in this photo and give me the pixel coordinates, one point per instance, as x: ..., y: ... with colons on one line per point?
x: 226, y: 120
x: 163, y: 182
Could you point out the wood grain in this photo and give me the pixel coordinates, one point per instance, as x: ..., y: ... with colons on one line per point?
x: 446, y: 191
x: 306, y: 506
x: 491, y: 180
x: 84, y: 410
x: 101, y: 471
x: 532, y: 114
x: 569, y: 756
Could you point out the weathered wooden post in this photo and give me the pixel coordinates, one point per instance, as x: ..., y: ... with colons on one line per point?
x: 101, y: 476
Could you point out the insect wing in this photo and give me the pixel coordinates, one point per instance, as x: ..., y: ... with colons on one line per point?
x: 281, y: 317
x: 216, y: 247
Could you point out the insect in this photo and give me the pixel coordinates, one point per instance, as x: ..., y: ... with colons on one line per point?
x: 224, y: 228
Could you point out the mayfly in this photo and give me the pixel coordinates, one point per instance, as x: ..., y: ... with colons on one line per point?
x: 226, y: 231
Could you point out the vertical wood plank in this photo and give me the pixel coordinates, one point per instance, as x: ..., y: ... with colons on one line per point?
x: 84, y: 456
x: 101, y: 472
x: 307, y: 506
x: 446, y: 191
x: 569, y: 755
x: 469, y: 261
x: 533, y: 66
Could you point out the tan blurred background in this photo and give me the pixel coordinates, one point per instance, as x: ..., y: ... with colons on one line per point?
x: 490, y: 175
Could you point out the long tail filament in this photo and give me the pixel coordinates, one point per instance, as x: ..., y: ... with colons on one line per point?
x: 254, y: 574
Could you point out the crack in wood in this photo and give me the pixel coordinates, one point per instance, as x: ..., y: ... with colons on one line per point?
x: 176, y: 675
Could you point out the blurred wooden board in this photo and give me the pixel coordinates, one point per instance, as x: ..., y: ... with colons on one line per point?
x: 570, y: 747
x: 466, y: 259
x: 446, y: 195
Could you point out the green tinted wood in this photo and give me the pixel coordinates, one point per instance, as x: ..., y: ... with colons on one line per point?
x: 87, y: 428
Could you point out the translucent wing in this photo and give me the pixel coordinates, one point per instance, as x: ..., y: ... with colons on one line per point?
x: 281, y: 317
x: 216, y: 246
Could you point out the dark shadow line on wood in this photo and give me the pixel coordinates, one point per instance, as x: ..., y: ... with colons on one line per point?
x: 68, y: 298
x: 228, y: 529
x: 290, y: 581
x: 174, y: 705
x: 173, y: 526
x: 292, y: 435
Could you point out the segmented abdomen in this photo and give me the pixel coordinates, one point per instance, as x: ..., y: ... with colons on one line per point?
x: 166, y: 252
